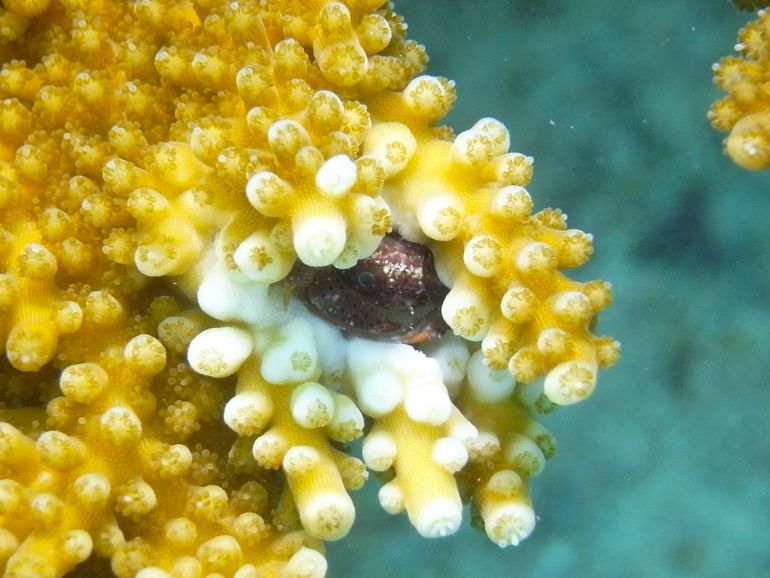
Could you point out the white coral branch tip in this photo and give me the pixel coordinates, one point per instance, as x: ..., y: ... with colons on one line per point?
x: 392, y: 144
x: 428, y: 403
x: 348, y: 422
x: 510, y: 524
x: 336, y: 175
x: 260, y: 260
x: 320, y: 239
x: 305, y: 563
x: 379, y: 450
x: 488, y: 385
x: 450, y: 454
x: 378, y: 393
x: 247, y: 412
x: 294, y: 358
x: 220, y: 351
x: 269, y: 449
x: 300, y: 460
x: 312, y: 405
x: 439, y: 517
x: 391, y: 498
x: 441, y: 216
x: 328, y: 515
x: 466, y: 313
x: 268, y: 193
x: 570, y: 382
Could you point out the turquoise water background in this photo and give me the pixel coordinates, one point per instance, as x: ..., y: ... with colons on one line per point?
x: 665, y: 471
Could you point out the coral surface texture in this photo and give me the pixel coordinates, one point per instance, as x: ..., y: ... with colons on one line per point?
x: 235, y: 239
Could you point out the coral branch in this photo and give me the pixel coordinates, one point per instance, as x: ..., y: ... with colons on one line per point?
x: 232, y: 241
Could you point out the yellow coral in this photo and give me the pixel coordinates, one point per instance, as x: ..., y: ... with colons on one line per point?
x: 169, y: 171
x: 745, y: 111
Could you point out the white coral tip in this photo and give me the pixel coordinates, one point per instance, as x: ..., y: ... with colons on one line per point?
x: 512, y: 202
x: 260, y: 260
x: 485, y: 446
x: 483, y: 256
x: 391, y: 498
x: 348, y: 421
x: 247, y: 412
x: 496, y: 132
x: 305, y: 563
x: 269, y: 449
x: 268, y: 193
x: 379, y: 393
x: 220, y: 351
x: 570, y: 382
x: 294, y: 357
x: 479, y: 144
x: 336, y: 175
x: 524, y: 455
x: 428, y: 403
x: 441, y: 216
x: 379, y: 451
x: 300, y: 460
x: 319, y: 239
x: 221, y: 296
x: 77, y: 546
x: 328, y: 515
x: 392, y: 144
x: 450, y: 454
x: 439, y: 517
x: 510, y: 523
x: 312, y: 405
x: 488, y: 385
x: 466, y: 313
x: 427, y: 96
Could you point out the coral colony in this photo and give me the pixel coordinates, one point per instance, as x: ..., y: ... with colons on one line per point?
x: 745, y: 111
x: 233, y: 239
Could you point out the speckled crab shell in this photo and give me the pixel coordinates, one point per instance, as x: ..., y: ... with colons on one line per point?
x: 392, y: 295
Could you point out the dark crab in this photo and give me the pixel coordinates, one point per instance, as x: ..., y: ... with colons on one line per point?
x: 392, y: 295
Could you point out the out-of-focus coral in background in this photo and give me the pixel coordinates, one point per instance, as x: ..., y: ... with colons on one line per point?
x: 745, y: 110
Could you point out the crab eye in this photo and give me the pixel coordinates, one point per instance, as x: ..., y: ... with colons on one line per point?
x: 365, y: 280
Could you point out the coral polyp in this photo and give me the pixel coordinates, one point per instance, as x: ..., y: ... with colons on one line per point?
x: 233, y: 239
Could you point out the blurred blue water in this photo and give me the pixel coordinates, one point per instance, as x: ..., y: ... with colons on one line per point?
x: 665, y: 471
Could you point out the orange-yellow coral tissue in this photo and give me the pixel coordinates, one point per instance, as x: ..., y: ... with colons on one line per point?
x: 198, y: 311
x: 745, y: 111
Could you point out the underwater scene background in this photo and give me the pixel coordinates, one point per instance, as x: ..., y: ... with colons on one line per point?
x: 666, y: 470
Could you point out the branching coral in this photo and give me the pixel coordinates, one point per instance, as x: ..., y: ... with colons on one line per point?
x: 745, y: 111
x: 169, y: 399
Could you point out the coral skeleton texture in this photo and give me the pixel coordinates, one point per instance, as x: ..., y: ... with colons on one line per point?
x: 175, y: 400
x: 745, y: 111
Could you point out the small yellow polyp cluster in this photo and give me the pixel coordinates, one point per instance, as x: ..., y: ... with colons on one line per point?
x: 745, y: 111
x: 502, y: 262
x: 119, y: 477
x: 171, y: 172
